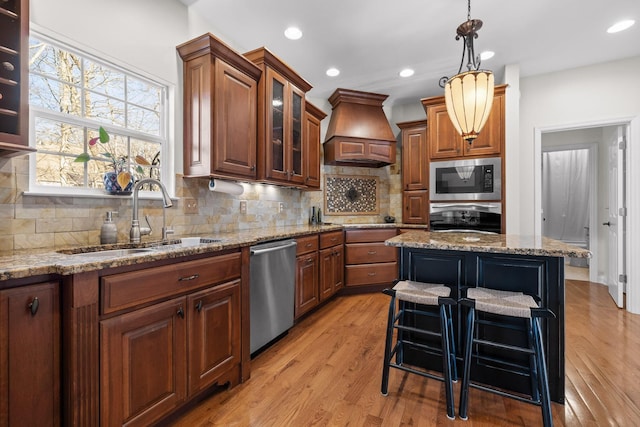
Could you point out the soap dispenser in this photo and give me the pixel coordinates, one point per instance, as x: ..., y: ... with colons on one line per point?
x: 109, y: 231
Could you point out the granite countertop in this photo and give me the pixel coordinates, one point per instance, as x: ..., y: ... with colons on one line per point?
x: 65, y: 261
x: 496, y: 243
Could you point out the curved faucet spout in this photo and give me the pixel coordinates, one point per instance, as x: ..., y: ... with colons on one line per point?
x: 136, y: 232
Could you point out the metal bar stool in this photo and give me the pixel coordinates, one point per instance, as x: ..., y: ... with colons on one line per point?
x: 409, y: 294
x: 513, y: 305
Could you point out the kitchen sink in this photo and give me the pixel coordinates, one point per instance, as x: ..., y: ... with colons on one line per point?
x: 114, y: 252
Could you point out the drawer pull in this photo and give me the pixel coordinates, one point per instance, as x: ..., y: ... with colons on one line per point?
x: 308, y: 245
x: 199, y: 306
x: 309, y: 260
x: 33, y: 306
x: 180, y: 312
x: 187, y: 278
x: 334, y: 239
x: 372, y: 252
x: 372, y: 274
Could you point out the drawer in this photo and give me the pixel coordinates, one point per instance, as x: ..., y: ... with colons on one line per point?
x: 331, y: 238
x: 126, y: 290
x: 306, y: 244
x: 369, y: 235
x: 371, y: 274
x: 366, y: 253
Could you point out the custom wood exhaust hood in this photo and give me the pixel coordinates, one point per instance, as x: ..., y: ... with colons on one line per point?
x: 359, y: 133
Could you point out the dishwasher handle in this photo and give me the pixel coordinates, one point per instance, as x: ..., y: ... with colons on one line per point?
x: 273, y: 248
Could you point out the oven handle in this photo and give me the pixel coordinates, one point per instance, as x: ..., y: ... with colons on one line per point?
x: 480, y: 207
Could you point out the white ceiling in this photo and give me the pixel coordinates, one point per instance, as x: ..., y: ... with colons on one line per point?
x: 370, y: 41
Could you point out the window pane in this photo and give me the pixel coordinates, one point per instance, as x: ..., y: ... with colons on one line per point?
x: 56, y: 137
x: 54, y: 96
x: 105, y: 80
x: 143, y: 94
x: 150, y: 151
x: 104, y: 109
x: 59, y: 171
x: 143, y: 120
x: 54, y: 62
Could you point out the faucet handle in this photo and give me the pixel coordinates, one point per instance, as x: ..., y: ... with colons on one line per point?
x: 166, y: 231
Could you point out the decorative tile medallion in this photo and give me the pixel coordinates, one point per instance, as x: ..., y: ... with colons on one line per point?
x: 351, y: 195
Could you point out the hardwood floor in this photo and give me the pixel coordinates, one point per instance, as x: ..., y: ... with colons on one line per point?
x: 327, y: 370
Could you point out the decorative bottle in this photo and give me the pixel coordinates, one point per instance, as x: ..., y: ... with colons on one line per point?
x: 109, y: 231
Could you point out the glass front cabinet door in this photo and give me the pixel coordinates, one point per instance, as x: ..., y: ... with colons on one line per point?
x: 285, y: 154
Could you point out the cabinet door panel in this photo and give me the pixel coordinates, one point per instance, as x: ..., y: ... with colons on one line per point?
x: 306, y: 283
x: 277, y: 104
x: 235, y: 121
x: 143, y: 364
x: 444, y: 140
x: 311, y: 151
x: 214, y: 334
x: 416, y: 207
x: 415, y: 165
x: 296, y: 133
x: 490, y: 139
x: 29, y: 356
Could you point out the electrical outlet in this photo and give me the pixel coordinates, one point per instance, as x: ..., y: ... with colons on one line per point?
x: 243, y: 206
x: 280, y: 207
x: 190, y: 206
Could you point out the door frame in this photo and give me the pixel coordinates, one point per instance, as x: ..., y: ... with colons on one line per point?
x: 593, y: 197
x: 632, y: 244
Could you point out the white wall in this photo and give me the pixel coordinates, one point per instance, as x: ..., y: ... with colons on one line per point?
x: 599, y: 93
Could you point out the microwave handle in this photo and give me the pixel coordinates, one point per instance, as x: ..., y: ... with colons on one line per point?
x: 485, y: 207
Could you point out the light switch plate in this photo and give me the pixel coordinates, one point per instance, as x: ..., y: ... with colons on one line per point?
x: 243, y: 206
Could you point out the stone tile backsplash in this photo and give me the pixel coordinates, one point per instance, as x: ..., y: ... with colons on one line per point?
x: 48, y: 222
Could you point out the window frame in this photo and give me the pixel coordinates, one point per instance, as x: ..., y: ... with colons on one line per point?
x: 165, y: 139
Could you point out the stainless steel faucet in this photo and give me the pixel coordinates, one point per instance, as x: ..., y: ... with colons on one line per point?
x: 136, y: 231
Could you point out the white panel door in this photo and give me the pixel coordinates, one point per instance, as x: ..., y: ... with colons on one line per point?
x: 615, y: 222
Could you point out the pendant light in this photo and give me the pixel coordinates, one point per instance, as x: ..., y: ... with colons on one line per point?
x: 469, y: 95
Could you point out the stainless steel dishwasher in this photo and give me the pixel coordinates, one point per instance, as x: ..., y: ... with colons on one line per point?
x: 272, y: 289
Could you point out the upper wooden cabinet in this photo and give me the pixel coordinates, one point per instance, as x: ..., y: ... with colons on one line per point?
x: 312, y: 143
x: 444, y: 141
x: 14, y: 73
x: 281, y: 120
x: 220, y: 110
x: 415, y: 164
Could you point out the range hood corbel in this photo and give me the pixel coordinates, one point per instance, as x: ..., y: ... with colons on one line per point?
x: 359, y: 133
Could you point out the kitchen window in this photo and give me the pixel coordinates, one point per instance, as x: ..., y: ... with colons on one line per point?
x: 71, y: 95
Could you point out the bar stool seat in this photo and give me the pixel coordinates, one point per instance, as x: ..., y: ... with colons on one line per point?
x: 409, y: 293
x: 514, y: 305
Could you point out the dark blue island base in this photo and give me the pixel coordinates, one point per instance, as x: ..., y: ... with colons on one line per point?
x: 542, y: 276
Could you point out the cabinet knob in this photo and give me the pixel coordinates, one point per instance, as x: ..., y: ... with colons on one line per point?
x: 199, y: 306
x: 180, y: 312
x: 34, y: 305
x: 252, y: 168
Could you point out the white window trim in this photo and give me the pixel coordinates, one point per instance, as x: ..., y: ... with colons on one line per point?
x: 168, y: 151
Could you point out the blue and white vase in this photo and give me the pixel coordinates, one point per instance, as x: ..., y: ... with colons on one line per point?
x: 111, y: 185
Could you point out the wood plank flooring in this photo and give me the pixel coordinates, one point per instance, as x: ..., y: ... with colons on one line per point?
x: 327, y: 370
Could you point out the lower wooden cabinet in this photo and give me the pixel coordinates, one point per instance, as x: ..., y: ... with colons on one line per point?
x: 155, y: 358
x: 416, y: 207
x: 30, y: 355
x: 331, y: 263
x: 368, y: 262
x: 307, y: 268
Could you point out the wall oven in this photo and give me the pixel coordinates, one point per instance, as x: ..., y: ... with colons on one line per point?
x: 472, y: 179
x: 472, y: 217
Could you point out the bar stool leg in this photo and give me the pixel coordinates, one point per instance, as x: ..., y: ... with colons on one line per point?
x: 452, y: 346
x: 387, y: 348
x: 533, y: 362
x: 545, y: 401
x: 446, y: 361
x: 464, y: 390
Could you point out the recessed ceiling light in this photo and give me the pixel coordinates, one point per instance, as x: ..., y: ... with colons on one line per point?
x: 487, y: 54
x: 333, y: 72
x: 620, y: 26
x: 407, y: 72
x: 293, y: 33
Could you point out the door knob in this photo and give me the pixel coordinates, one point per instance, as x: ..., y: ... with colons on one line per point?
x: 608, y: 223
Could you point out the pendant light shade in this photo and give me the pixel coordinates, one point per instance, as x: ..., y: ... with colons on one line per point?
x: 468, y: 97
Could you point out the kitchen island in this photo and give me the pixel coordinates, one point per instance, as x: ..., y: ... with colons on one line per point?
x: 533, y: 265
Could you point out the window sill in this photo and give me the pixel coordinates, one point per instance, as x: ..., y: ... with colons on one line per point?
x: 142, y: 195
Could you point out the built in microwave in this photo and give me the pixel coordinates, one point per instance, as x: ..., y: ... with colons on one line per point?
x: 468, y: 179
